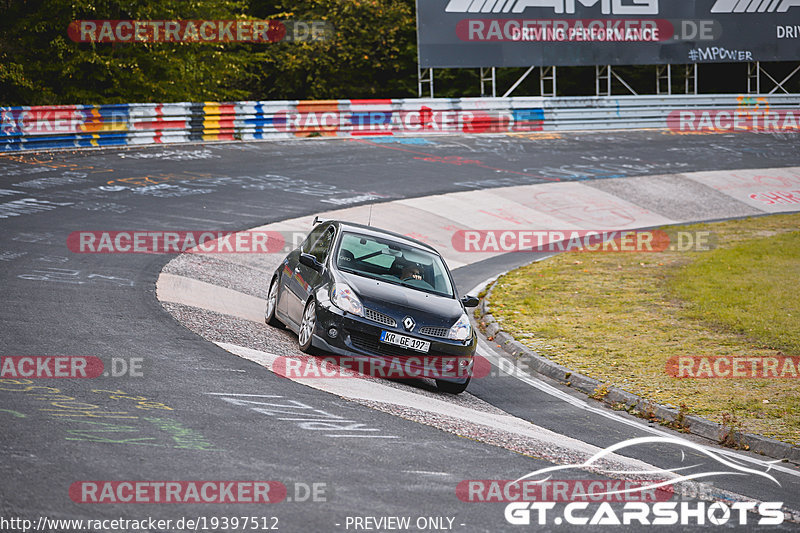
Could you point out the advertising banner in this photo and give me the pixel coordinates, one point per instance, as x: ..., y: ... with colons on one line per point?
x: 521, y: 33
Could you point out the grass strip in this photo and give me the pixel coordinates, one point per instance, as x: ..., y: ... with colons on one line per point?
x: 620, y: 317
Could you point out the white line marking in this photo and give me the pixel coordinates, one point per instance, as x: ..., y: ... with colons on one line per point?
x: 364, y: 436
x: 243, y: 394
x: 337, y: 420
x: 259, y: 217
x: 216, y: 222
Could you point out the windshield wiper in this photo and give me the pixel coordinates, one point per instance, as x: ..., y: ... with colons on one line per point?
x: 360, y: 273
x: 423, y: 289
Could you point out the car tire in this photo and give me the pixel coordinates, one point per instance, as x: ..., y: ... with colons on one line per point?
x: 451, y: 388
x: 305, y: 335
x: 272, y: 305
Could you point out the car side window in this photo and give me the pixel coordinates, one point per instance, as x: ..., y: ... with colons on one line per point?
x: 306, y: 245
x: 323, y: 246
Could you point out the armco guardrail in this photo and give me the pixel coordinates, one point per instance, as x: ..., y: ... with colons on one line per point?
x: 47, y: 127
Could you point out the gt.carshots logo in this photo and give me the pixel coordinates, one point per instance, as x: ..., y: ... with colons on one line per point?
x: 538, y: 499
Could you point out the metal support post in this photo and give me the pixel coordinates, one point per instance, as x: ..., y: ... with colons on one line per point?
x: 489, y: 75
x: 424, y: 76
x: 548, y: 74
x: 664, y: 75
x: 690, y: 76
x: 602, y: 73
x: 754, y: 78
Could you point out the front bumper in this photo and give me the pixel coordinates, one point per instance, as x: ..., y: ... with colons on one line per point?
x: 359, y: 338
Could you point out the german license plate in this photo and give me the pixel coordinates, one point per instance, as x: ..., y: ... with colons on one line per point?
x: 406, y: 342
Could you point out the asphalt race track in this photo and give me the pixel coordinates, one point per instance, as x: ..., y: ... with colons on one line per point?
x: 176, y: 407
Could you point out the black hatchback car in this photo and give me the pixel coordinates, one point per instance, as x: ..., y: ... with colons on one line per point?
x: 378, y: 298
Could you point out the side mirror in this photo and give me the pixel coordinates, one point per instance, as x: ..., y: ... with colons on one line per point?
x: 311, y: 262
x: 470, y: 301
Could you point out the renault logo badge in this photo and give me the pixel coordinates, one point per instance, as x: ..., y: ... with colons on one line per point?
x: 408, y: 323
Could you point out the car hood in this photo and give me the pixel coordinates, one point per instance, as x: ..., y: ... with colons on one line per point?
x: 398, y: 301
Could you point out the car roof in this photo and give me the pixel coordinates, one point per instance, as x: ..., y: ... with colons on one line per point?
x: 378, y: 232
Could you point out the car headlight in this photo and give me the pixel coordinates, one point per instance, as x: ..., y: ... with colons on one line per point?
x: 461, y: 330
x: 345, y: 299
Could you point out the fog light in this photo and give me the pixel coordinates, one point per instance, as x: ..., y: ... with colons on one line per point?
x: 333, y: 333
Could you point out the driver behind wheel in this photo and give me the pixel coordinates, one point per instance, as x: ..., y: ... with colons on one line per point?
x: 410, y: 271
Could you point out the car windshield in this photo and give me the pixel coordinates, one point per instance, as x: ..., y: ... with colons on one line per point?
x: 393, y: 262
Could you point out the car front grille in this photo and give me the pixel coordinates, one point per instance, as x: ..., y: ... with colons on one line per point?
x: 370, y: 343
x: 380, y: 318
x: 432, y: 362
x: 434, y: 332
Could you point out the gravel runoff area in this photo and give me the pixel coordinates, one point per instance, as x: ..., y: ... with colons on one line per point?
x: 250, y: 275
x: 218, y: 327
x: 246, y: 273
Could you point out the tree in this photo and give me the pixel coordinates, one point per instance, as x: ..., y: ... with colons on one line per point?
x: 372, y: 54
x: 41, y: 65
